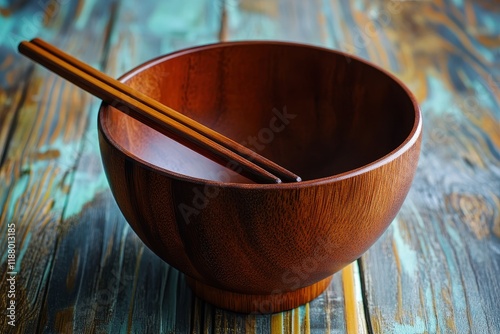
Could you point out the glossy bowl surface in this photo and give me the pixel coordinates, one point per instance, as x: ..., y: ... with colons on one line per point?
x: 351, y: 130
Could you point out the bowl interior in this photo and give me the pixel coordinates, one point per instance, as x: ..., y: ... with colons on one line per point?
x: 315, y: 112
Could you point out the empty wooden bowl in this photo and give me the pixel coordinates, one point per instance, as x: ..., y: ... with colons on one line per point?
x: 351, y: 131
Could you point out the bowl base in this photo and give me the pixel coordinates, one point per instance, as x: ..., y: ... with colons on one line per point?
x: 261, y: 304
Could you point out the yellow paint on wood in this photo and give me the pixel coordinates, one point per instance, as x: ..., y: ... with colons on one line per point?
x: 442, y: 18
x: 51, y: 11
x: 354, y: 313
x: 306, y: 326
x: 376, y: 321
x: 287, y: 322
x: 488, y: 41
x: 496, y: 219
x: 399, y: 313
x: 450, y: 319
x: 491, y: 126
x: 470, y: 14
x: 474, y: 213
x: 266, y: 7
x: 277, y: 323
x: 296, y: 321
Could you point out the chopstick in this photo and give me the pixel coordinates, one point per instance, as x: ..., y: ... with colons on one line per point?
x: 154, y: 114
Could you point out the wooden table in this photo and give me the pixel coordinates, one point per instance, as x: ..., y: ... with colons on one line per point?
x: 80, y: 268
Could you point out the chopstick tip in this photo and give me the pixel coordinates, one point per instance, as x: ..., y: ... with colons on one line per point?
x: 22, y: 46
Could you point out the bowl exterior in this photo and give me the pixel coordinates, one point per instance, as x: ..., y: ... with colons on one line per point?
x: 265, y: 240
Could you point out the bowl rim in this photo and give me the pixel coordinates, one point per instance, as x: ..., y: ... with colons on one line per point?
x: 404, y: 146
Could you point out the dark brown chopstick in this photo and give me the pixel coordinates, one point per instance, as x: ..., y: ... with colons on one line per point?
x: 270, y: 166
x: 144, y: 112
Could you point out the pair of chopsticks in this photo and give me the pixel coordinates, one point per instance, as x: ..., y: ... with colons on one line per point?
x: 156, y: 115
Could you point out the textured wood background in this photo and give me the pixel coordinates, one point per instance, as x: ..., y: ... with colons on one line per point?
x: 80, y: 267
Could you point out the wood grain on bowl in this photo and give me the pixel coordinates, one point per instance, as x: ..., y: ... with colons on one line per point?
x: 356, y: 144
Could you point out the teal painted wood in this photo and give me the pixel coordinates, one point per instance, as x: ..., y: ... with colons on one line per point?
x: 39, y: 145
x: 436, y: 268
x: 296, y: 21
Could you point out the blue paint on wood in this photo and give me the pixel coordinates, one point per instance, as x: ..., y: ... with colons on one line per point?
x: 418, y: 326
x: 407, y: 255
x: 85, y: 14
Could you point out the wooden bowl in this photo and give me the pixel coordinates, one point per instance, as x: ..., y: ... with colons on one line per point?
x: 350, y: 129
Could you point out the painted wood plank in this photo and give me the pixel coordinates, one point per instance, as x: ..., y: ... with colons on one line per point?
x: 296, y: 21
x: 433, y: 271
x: 354, y: 305
x: 41, y: 145
x: 12, y: 95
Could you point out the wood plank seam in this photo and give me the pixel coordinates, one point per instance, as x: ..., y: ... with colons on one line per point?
x: 366, y: 307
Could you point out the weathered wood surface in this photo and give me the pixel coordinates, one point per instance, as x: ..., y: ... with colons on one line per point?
x: 80, y: 267
x: 437, y: 269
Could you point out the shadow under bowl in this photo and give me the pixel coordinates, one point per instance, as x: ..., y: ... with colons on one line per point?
x: 351, y: 130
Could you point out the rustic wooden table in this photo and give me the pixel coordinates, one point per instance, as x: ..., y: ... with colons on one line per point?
x: 80, y: 268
